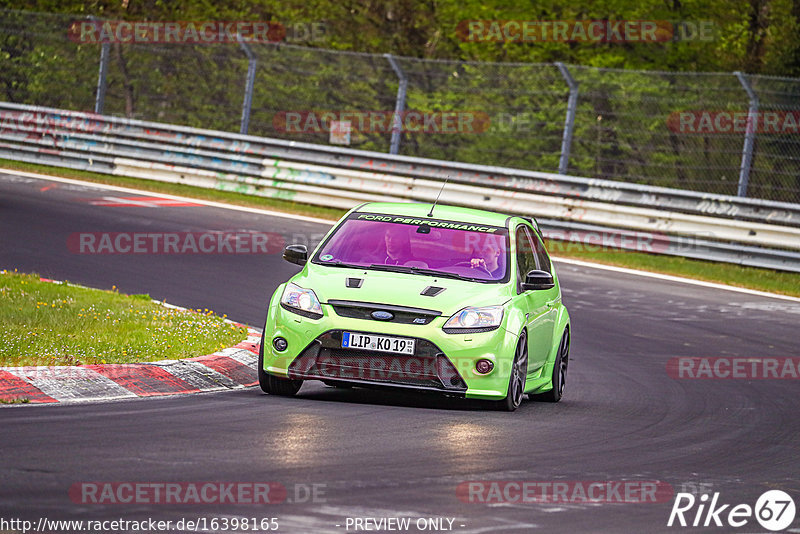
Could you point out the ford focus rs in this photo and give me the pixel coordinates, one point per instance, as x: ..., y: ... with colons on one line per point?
x: 458, y: 301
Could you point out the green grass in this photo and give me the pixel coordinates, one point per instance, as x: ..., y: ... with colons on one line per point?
x: 18, y: 400
x: 783, y: 283
x: 63, y: 324
x: 747, y: 277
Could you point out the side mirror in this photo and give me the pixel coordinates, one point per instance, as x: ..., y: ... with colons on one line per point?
x: 297, y: 254
x: 537, y: 280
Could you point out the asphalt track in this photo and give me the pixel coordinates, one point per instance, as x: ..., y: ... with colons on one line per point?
x: 378, y: 455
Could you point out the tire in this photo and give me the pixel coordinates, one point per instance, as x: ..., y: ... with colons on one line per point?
x: 516, y: 381
x: 274, y: 385
x: 559, y: 377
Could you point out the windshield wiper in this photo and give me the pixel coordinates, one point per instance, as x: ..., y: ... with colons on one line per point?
x: 421, y: 270
x: 339, y: 263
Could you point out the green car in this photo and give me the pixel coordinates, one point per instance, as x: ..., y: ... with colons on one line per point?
x: 453, y: 300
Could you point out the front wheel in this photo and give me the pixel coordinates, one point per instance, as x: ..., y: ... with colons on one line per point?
x: 274, y: 385
x: 516, y: 382
x: 559, y: 378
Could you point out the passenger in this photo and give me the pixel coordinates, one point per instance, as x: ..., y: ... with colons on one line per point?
x: 487, y: 257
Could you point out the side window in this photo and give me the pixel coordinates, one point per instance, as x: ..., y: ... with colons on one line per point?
x: 542, y: 258
x: 526, y: 259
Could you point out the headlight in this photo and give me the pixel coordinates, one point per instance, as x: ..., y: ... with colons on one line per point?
x: 301, y: 301
x: 474, y: 320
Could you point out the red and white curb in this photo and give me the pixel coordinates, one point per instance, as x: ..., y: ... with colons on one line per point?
x: 231, y: 368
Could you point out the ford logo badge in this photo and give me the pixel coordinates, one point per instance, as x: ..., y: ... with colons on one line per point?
x: 380, y: 315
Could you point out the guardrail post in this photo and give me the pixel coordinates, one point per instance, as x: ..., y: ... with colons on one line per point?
x: 569, y: 121
x: 749, y: 136
x: 100, y: 96
x: 399, y: 106
x: 248, y: 90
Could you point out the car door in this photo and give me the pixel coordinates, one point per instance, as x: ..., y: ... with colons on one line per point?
x: 538, y: 305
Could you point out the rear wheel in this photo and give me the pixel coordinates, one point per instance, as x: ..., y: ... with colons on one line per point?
x: 516, y: 382
x: 559, y: 372
x: 274, y: 385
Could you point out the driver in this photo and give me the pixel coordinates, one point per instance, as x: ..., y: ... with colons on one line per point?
x: 398, y: 247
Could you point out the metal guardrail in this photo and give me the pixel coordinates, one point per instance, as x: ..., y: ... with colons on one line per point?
x: 714, y: 227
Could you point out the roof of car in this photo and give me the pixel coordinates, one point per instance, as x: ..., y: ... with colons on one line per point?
x: 441, y: 211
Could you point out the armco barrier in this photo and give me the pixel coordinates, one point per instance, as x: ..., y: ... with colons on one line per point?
x: 720, y: 228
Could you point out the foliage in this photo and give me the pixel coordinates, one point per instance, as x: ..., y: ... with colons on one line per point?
x: 627, y: 91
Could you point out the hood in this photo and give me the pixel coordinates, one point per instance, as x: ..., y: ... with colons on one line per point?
x: 400, y: 289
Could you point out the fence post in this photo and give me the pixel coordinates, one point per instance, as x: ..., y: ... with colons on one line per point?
x: 100, y: 97
x: 248, y: 90
x: 399, y: 106
x: 749, y: 136
x: 569, y: 121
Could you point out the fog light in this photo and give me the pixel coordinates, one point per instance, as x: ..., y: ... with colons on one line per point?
x: 280, y: 344
x: 484, y: 366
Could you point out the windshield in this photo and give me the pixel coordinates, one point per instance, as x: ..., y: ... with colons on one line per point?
x: 422, y: 246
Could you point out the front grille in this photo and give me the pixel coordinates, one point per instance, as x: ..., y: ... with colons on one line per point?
x: 427, y: 368
x: 400, y: 314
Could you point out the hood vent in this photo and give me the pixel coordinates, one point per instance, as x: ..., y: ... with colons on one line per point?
x: 354, y: 282
x: 431, y: 291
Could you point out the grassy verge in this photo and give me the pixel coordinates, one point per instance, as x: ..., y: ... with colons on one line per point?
x: 722, y: 273
x: 18, y: 400
x: 747, y: 277
x: 63, y: 324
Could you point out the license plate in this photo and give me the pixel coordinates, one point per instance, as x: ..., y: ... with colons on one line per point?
x: 352, y: 340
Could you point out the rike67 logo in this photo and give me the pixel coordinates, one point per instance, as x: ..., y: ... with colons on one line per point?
x: 774, y: 510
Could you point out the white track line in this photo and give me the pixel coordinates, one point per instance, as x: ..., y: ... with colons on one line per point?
x: 679, y: 279
x: 164, y: 195
x: 623, y: 270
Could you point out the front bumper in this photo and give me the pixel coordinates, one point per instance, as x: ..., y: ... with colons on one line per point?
x: 441, y: 362
x: 428, y: 368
